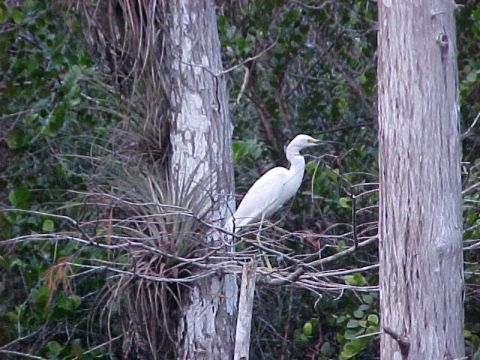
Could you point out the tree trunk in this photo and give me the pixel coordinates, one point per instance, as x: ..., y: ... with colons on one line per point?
x: 201, y: 160
x: 421, y: 260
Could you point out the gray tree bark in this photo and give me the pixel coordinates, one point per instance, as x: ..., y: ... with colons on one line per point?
x: 200, y: 140
x: 421, y: 261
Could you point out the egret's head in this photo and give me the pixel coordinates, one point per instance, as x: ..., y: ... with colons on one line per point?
x: 303, y: 141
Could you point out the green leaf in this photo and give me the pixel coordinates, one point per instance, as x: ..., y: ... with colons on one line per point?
x: 222, y: 23
x: 364, y: 307
x: 341, y: 319
x: 303, y: 337
x: 355, y: 279
x: 17, y: 16
x: 352, y: 324
x: 74, y: 302
x: 11, y: 317
x: 339, y: 337
x: 56, y: 121
x: 353, y: 333
x: 20, y: 197
x: 74, y: 102
x: 362, y: 79
x: 40, y: 296
x: 30, y: 118
x: 367, y: 298
x: 327, y: 349
x: 347, y: 354
x: 68, y: 303
x: 372, y: 329
x: 48, y: 225
x: 279, y: 50
x: 345, y: 202
x: 246, y: 149
x: 471, y: 217
x: 291, y: 16
x: 33, y: 221
x: 351, y: 349
x: 53, y: 349
x: 16, y: 139
x: 476, y: 14
x: 3, y: 13
x: 77, y: 349
x: 308, y: 329
x: 472, y: 77
x: 358, y: 314
x: 18, y: 263
x: 372, y: 319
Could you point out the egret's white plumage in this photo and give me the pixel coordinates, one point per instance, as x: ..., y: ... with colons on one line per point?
x: 274, y: 188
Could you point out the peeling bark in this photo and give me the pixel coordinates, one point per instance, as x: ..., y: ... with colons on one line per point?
x: 200, y: 140
x: 421, y: 259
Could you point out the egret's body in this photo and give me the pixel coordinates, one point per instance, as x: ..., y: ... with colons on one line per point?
x: 274, y: 188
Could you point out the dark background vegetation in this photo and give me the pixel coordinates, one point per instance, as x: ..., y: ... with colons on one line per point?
x: 317, y: 75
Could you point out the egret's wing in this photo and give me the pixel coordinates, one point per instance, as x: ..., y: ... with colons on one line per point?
x: 262, y: 197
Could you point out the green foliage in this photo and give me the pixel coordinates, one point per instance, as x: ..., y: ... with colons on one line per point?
x: 20, y: 197
x: 48, y: 92
x: 336, y: 328
x: 468, y: 43
x: 247, y: 152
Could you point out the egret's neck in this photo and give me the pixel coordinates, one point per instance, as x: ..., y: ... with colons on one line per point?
x: 297, y: 161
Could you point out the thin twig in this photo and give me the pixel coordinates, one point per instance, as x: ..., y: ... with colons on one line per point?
x: 11, y: 352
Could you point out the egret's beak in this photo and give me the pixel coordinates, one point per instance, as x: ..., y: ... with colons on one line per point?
x: 320, y: 142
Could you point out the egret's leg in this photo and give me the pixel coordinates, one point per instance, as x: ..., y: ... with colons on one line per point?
x: 265, y: 256
x: 231, y: 240
x: 260, y: 227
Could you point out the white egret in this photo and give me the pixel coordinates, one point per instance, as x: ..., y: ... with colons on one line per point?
x: 274, y: 188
